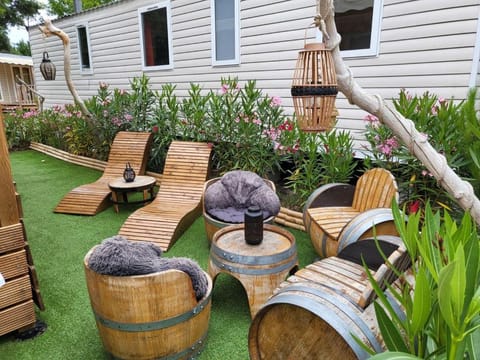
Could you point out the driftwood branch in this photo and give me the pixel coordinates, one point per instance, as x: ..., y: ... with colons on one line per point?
x: 418, y: 145
x: 49, y: 29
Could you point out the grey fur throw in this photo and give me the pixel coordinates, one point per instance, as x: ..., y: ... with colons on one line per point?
x: 228, y: 198
x: 117, y: 256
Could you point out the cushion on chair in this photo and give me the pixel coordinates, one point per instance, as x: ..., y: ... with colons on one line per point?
x: 228, y: 198
x: 116, y: 256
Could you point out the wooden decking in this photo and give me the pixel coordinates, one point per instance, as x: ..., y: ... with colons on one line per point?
x: 178, y: 201
x: 89, y: 199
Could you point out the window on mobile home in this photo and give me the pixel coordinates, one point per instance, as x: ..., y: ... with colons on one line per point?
x: 155, y: 36
x: 225, y: 32
x: 358, y: 22
x: 84, y: 49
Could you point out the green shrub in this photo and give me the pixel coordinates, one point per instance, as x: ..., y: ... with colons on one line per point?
x: 452, y: 128
x: 443, y: 307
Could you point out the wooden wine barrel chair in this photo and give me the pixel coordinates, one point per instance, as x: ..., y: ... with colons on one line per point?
x: 332, y: 207
x: 213, y: 224
x: 90, y: 199
x: 178, y: 201
x: 153, y: 316
x: 317, y: 312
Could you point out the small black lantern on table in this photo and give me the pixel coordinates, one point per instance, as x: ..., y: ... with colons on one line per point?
x: 253, y: 225
x: 129, y: 173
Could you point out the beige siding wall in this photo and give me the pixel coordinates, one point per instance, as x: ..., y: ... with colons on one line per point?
x: 424, y: 45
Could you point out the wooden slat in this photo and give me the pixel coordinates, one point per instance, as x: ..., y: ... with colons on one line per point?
x: 374, y: 189
x: 89, y: 199
x: 178, y: 201
x: 15, y: 291
x: 11, y: 238
x: 16, y: 317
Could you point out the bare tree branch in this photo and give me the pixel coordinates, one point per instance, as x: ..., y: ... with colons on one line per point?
x: 49, y: 29
x: 418, y: 145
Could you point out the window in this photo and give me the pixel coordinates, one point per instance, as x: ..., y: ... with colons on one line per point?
x: 23, y: 73
x: 156, y: 37
x: 84, y: 49
x: 225, y: 32
x: 358, y: 22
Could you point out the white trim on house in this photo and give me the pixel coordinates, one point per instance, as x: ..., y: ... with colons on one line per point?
x: 472, y: 83
x: 236, y: 59
x: 374, y: 36
x: 84, y: 70
x: 158, y: 5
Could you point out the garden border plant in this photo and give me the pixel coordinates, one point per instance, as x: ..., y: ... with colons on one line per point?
x: 443, y: 308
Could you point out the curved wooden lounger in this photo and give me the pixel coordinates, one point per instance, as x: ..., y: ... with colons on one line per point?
x: 90, y: 199
x: 332, y: 207
x: 178, y: 201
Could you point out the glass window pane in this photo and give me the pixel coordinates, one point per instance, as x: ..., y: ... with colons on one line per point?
x: 26, y: 75
x: 225, y: 29
x: 83, y: 45
x: 155, y: 37
x: 354, y: 23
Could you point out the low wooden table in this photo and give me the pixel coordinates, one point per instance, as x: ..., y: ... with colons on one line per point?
x: 259, y: 268
x: 141, y: 183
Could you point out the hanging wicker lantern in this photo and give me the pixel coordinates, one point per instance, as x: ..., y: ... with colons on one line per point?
x: 47, y: 68
x: 314, y: 88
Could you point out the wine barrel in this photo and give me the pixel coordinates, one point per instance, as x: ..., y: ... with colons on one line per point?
x: 373, y: 222
x: 153, y: 316
x: 310, y: 321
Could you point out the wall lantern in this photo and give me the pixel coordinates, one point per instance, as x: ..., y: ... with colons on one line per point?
x: 47, y: 68
x: 314, y: 88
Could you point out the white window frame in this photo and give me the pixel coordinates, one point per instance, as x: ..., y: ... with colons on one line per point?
x: 159, y: 5
x: 236, y: 60
x: 374, y: 36
x: 89, y: 70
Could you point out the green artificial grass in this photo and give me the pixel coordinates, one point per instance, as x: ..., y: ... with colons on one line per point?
x: 59, y: 243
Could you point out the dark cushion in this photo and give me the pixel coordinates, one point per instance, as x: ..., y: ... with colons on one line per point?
x: 228, y: 198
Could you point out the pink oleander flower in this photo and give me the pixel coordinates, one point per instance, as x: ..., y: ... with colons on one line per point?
x: 257, y: 121
x: 275, y: 101
x: 372, y: 120
x: 103, y: 85
x: 426, y: 173
x: 123, y: 92
x: 392, y: 142
x: 224, y: 89
x: 29, y: 114
x: 128, y: 117
x: 237, y: 119
x: 155, y: 129
x: 105, y: 113
x: 385, y: 149
x: 434, y: 110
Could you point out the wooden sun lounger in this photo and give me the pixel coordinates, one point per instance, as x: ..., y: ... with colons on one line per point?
x: 178, y: 201
x: 90, y: 199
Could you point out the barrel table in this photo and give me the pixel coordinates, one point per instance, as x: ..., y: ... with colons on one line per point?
x: 259, y: 268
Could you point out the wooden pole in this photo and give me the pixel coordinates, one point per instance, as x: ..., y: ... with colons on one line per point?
x: 460, y: 190
x: 49, y: 29
x: 8, y: 201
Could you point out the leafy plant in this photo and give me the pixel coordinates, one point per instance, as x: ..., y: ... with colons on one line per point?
x: 443, y: 307
x: 452, y: 128
x: 321, y: 159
